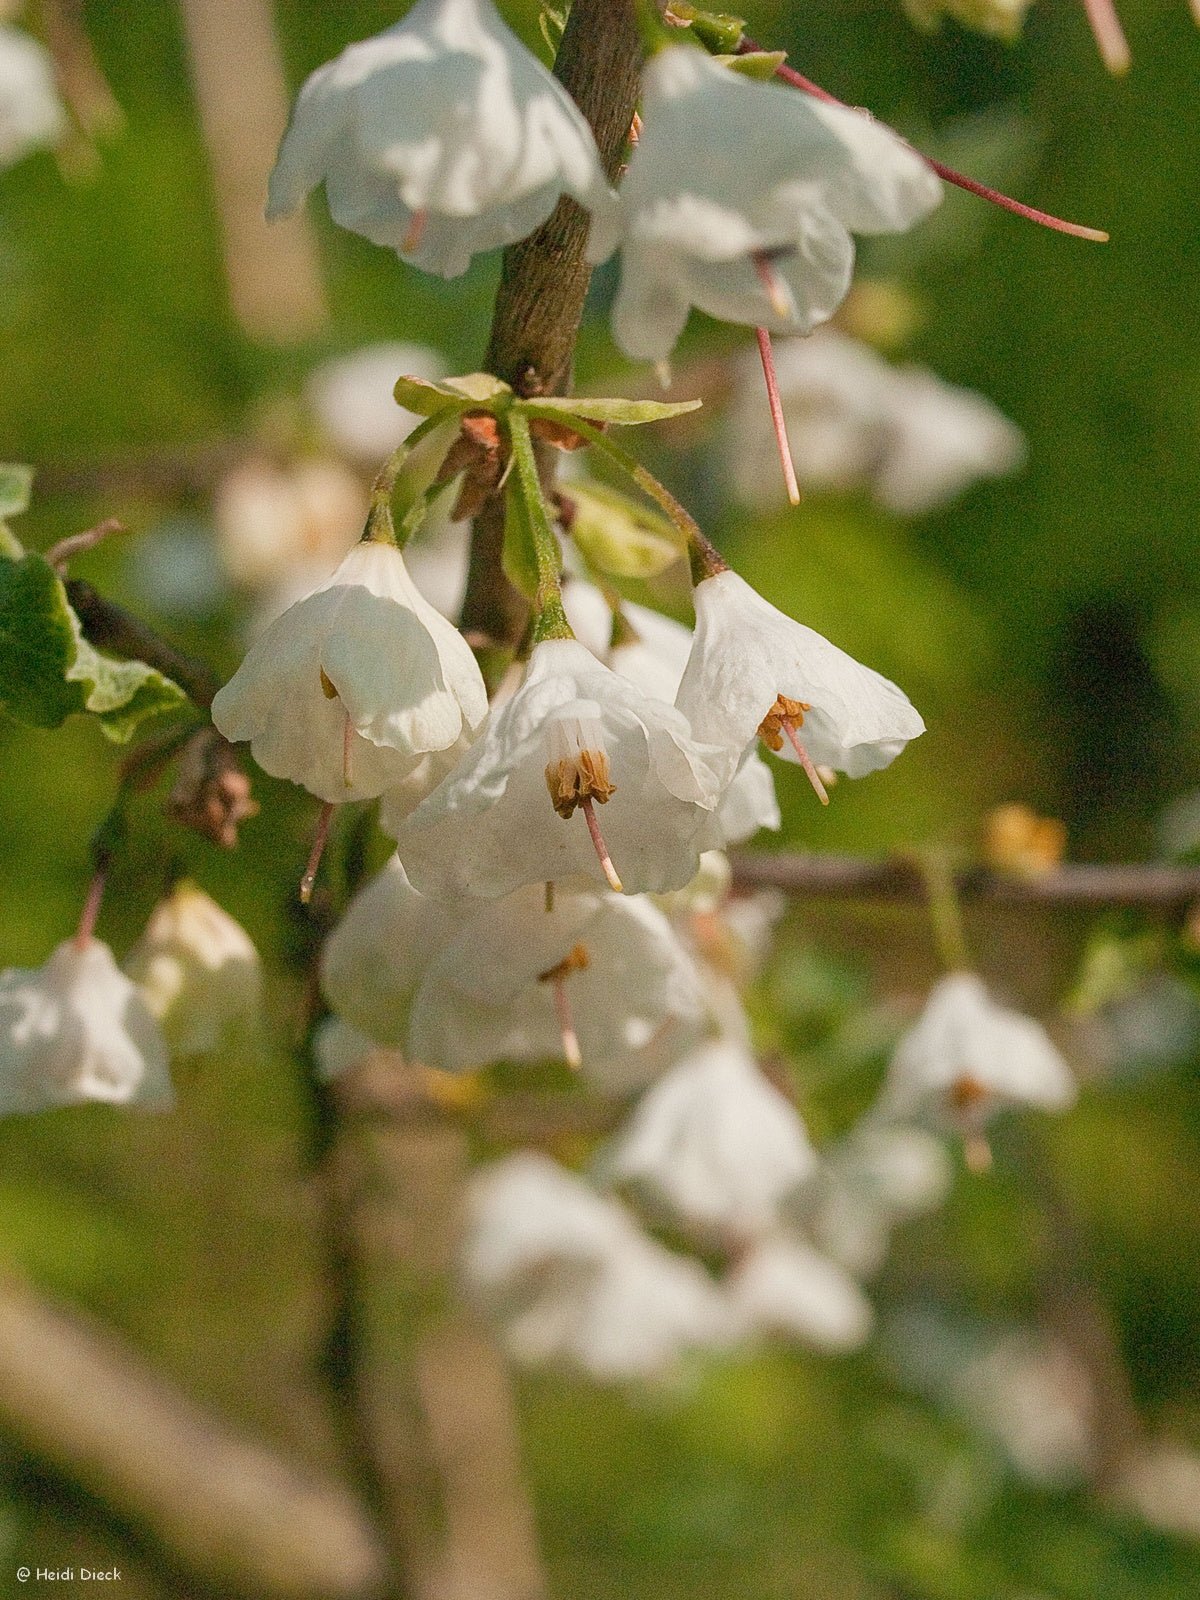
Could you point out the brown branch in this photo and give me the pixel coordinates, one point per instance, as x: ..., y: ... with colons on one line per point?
x: 110, y: 627
x: 544, y: 281
x: 835, y: 877
x: 230, y: 1511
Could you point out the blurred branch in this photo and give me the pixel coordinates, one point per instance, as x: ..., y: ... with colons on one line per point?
x: 272, y: 270
x: 544, y: 279
x: 895, y: 878
x: 231, y: 1511
x: 429, y: 1414
x: 110, y: 627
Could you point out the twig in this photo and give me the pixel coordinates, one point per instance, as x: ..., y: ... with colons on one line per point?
x: 228, y: 1510
x: 110, y: 627
x: 835, y: 877
x: 544, y: 281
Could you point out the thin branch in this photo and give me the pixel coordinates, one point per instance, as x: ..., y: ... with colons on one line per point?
x: 110, y: 627
x: 835, y: 877
x: 544, y: 281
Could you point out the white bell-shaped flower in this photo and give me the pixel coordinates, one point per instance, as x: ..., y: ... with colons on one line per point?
x: 375, y: 958
x: 755, y: 672
x: 438, y: 138
x: 940, y: 440
x: 577, y: 730
x: 352, y: 685
x: 714, y: 1144
x: 654, y: 658
x: 740, y: 199
x: 31, y: 114
x: 338, y: 1048
x: 353, y: 400
x: 785, y: 1287
x: 198, y: 972
x: 881, y: 1174
x: 602, y: 980
x: 966, y: 1057
x: 76, y: 1029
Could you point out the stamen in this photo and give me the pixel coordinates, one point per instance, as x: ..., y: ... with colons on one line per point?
x: 1031, y: 214
x: 416, y: 232
x: 977, y: 1153
x: 662, y: 371
x: 320, y: 839
x: 610, y: 872
x: 91, y: 909
x: 777, y: 417
x: 1109, y: 36
x: 576, y: 960
x: 805, y: 760
x: 635, y: 130
x: 777, y: 293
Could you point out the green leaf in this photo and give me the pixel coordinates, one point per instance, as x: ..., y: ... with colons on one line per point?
x: 49, y: 671
x: 618, y: 535
x: 625, y: 413
x: 717, y: 31
x: 15, y: 485
x: 429, y: 399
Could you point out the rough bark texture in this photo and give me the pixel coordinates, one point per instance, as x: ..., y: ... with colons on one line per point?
x: 544, y: 281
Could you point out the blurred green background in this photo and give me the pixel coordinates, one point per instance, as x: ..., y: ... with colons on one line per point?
x: 1047, y: 625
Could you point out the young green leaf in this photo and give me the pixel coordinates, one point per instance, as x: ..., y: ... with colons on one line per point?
x: 624, y: 413
x: 619, y: 536
x: 430, y: 399
x: 49, y: 671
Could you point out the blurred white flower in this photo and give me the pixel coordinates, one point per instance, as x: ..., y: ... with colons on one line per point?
x: 879, y: 1175
x: 374, y: 959
x: 197, y: 971
x: 603, y: 980
x: 854, y: 421
x: 338, y: 1048
x: 351, y: 397
x: 31, y: 114
x: 278, y: 527
x: 755, y: 673
x: 1034, y: 1397
x: 940, y: 440
x: 76, y: 1029
x: 714, y: 1144
x: 348, y: 689
x: 579, y: 731
x: 740, y: 199
x: 782, y: 1286
x: 440, y: 137
x: 1161, y: 1482
x: 966, y: 1057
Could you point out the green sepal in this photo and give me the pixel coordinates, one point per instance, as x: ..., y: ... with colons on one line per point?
x: 475, y: 390
x: 718, y: 31
x: 623, y: 413
x: 49, y: 671
x: 760, y: 65
x: 621, y: 536
x: 519, y: 555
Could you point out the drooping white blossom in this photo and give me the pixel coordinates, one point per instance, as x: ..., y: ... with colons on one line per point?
x: 602, y: 979
x: 374, y: 959
x: 966, y: 1057
x: 281, y: 531
x: 880, y: 1175
x: 31, y: 114
x: 783, y: 1286
x: 754, y: 672
x: 352, y: 398
x: 438, y: 138
x: 347, y: 691
x: 714, y: 1144
x: 741, y: 198
x: 855, y: 422
x: 521, y: 806
x: 198, y: 972
x: 75, y: 1030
